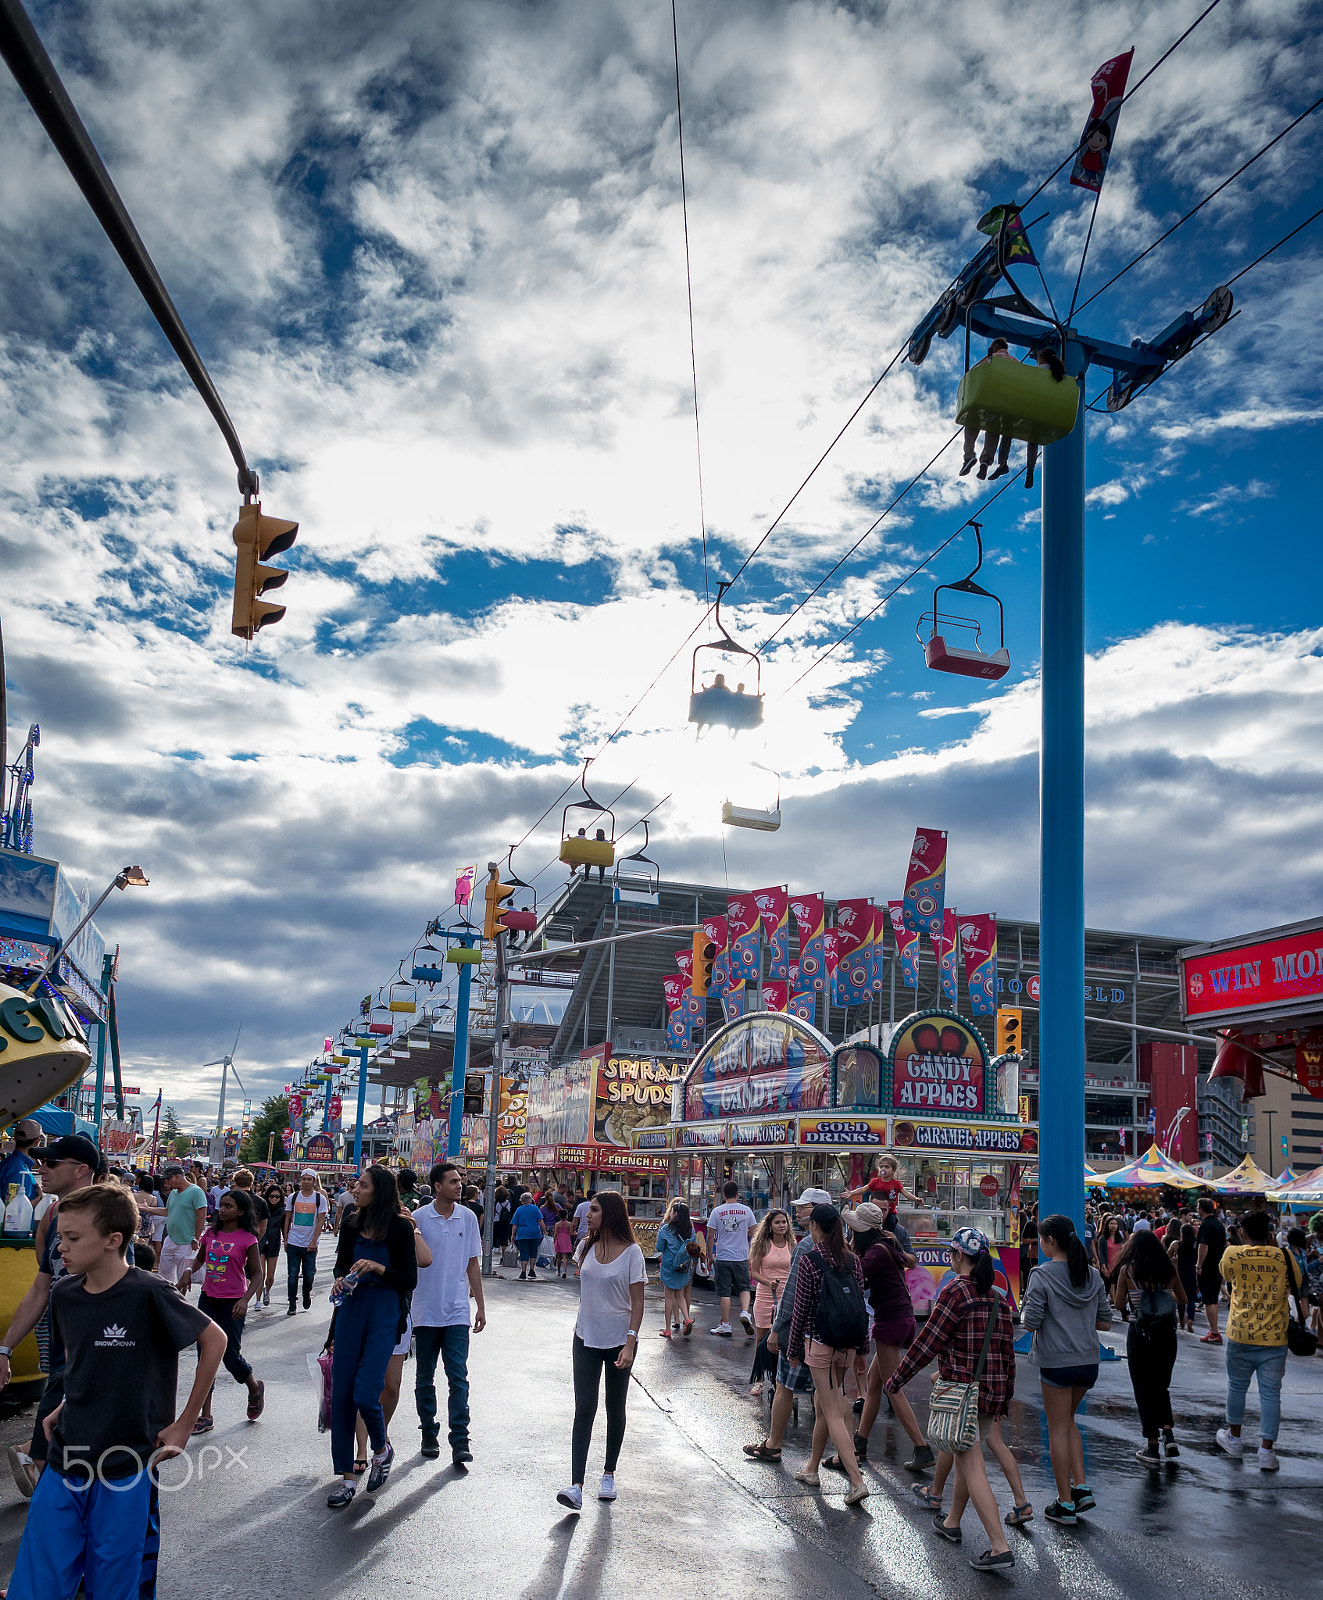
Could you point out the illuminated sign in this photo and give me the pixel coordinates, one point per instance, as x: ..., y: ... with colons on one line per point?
x: 843, y: 1130
x: 937, y: 1063
x: 1261, y: 975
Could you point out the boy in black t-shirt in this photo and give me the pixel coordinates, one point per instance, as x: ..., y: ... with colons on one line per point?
x: 94, y: 1515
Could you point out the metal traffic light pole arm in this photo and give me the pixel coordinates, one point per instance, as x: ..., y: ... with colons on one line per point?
x: 615, y: 938
x: 36, y: 76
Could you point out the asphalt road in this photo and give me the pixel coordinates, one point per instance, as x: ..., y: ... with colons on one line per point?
x: 694, y: 1517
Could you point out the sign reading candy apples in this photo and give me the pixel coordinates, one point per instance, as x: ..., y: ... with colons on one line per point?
x: 938, y: 1063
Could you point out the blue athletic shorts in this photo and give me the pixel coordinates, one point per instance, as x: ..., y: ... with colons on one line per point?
x: 107, y: 1533
x: 1070, y: 1377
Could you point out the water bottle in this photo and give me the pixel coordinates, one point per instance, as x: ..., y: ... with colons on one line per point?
x: 347, y: 1285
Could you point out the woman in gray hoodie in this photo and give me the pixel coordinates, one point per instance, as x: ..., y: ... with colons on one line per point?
x: 1065, y: 1303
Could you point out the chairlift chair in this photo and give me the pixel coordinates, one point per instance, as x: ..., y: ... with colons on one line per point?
x: 1018, y: 398
x: 380, y: 1020
x: 715, y: 704
x: 641, y: 886
x: 522, y: 920
x: 576, y: 848
x: 753, y: 816
x: 968, y: 661
x: 402, y: 997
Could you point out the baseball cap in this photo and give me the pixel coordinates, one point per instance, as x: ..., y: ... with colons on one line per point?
x: 70, y: 1147
x: 308, y: 1172
x: 865, y: 1218
x: 969, y: 1241
x: 813, y: 1197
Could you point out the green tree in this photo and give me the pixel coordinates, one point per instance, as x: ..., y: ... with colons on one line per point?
x: 181, y: 1145
x: 272, y: 1118
x: 170, y: 1129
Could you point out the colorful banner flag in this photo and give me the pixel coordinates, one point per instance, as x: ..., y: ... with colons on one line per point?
x: 743, y: 929
x: 775, y: 995
x: 907, y: 944
x: 774, y: 909
x: 1014, y: 248
x: 684, y: 959
x: 733, y: 1003
x: 1095, y: 147
x: 948, y: 957
x: 925, y: 883
x: 678, y: 1034
x: 804, y: 1006
x: 810, y: 913
x: 978, y: 939
x: 880, y: 920
x: 715, y: 929
x: 852, y: 980
x: 464, y: 881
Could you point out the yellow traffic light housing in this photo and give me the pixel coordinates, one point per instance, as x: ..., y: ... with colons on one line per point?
x: 256, y: 537
x: 705, y: 953
x: 1008, y: 1031
x: 496, y: 894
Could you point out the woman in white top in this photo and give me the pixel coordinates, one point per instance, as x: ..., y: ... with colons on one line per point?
x: 606, y: 1337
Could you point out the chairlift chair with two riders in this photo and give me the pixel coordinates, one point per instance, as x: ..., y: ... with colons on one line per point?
x: 637, y: 879
x: 523, y: 919
x: 715, y: 704
x: 966, y: 659
x: 576, y: 848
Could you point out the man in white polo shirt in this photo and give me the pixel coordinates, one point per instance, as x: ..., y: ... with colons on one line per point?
x: 441, y: 1309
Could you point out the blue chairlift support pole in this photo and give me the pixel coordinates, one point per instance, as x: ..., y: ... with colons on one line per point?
x: 461, y: 1058
x: 362, y: 1053
x: 1061, y: 821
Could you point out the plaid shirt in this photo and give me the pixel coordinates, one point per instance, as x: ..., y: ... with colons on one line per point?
x: 954, y: 1334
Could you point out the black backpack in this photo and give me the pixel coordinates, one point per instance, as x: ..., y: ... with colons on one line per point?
x: 1157, y: 1309
x: 842, y: 1317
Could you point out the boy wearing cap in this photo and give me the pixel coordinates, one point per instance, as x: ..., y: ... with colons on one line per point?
x: 66, y: 1165
x: 790, y: 1381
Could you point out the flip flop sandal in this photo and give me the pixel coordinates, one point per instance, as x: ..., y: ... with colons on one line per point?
x: 257, y: 1402
x: 1017, y: 1516
x: 360, y: 1467
x: 924, y: 1494
x: 202, y: 1425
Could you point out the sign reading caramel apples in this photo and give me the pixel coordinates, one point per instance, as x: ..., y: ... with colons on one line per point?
x: 938, y: 1063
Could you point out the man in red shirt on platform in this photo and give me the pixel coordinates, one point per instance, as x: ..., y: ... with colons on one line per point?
x: 884, y: 1186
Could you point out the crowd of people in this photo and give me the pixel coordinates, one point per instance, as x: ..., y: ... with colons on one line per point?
x: 818, y: 1287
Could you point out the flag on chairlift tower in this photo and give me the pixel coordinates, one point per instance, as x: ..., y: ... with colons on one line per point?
x: 1095, y: 147
x: 978, y: 940
x: 925, y: 883
x: 810, y: 913
x: 774, y: 909
x: 1017, y: 251
x: 465, y: 878
x: 907, y: 945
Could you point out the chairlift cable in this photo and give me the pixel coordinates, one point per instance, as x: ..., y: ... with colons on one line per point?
x: 1285, y: 237
x: 1084, y: 256
x: 1276, y: 139
x: 689, y: 286
x: 859, y: 541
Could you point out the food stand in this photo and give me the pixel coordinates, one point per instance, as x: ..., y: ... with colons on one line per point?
x: 770, y: 1103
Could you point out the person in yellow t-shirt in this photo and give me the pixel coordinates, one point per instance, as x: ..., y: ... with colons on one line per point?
x: 1261, y: 1277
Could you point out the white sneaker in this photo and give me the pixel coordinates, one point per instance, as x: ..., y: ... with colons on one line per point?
x: 746, y: 1322
x: 1233, y: 1446
x: 722, y: 1330
x: 607, y: 1488
x: 1268, y: 1461
x: 571, y: 1497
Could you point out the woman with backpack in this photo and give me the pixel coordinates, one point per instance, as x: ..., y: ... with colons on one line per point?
x: 828, y: 1329
x: 969, y: 1332
x: 678, y: 1248
x: 1065, y: 1305
x: 1185, y: 1253
x: 1149, y: 1284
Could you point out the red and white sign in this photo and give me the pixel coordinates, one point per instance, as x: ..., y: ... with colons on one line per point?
x: 1253, y: 977
x: 988, y: 1185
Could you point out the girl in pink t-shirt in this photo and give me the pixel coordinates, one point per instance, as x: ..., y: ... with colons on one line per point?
x: 229, y: 1258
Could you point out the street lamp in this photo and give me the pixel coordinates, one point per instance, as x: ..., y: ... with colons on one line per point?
x: 122, y: 879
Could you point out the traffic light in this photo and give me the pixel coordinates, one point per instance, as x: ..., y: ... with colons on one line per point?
x: 1008, y: 1032
x: 256, y: 538
x: 705, y: 953
x: 475, y: 1094
x: 496, y: 893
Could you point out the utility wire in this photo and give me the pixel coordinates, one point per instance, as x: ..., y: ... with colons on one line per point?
x: 1285, y: 237
x: 689, y: 285
x: 1211, y: 195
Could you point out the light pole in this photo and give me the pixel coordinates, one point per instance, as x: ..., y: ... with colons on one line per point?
x: 122, y: 879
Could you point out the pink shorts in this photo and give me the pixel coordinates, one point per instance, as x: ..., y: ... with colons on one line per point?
x: 822, y: 1356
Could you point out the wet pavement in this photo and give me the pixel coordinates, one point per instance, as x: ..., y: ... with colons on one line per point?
x: 695, y: 1517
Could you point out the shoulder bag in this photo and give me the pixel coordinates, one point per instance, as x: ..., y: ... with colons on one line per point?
x: 953, y: 1409
x: 1300, y: 1341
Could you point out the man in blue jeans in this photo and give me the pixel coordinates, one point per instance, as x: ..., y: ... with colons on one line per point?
x: 441, y: 1309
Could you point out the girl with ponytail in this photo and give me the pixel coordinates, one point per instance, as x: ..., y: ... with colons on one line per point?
x: 1066, y: 1304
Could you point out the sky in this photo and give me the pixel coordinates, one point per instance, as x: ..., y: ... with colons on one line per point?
x: 434, y: 259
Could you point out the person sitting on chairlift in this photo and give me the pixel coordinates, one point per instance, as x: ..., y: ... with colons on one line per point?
x: 582, y: 834
x: 601, y: 871
x: 1047, y: 357
x: 991, y: 440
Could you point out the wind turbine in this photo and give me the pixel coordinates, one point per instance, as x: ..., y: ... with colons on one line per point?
x: 226, y: 1064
